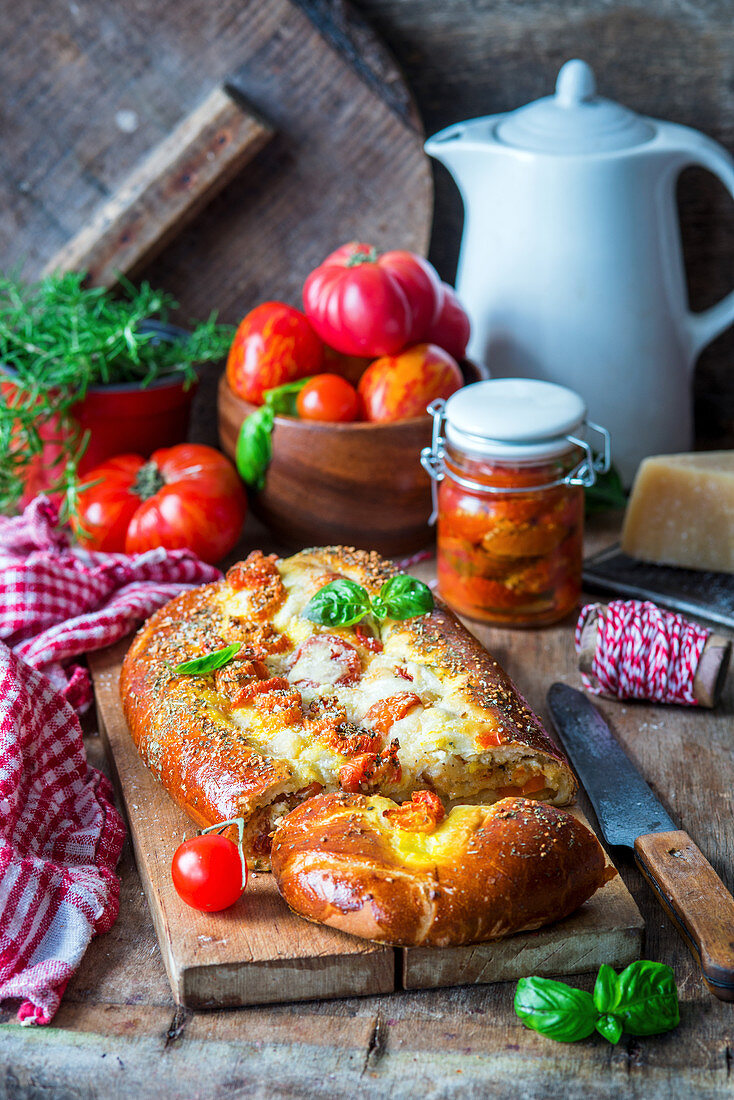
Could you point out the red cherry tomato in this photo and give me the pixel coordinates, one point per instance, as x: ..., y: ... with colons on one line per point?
x: 451, y: 327
x: 328, y: 397
x: 400, y: 386
x: 274, y: 344
x: 188, y: 496
x: 365, y: 305
x: 207, y: 872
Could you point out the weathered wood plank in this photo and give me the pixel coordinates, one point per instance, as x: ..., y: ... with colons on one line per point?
x: 257, y: 951
x: 607, y: 929
x: 165, y: 192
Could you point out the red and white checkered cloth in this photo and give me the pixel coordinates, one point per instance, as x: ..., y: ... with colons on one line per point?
x: 60, y: 835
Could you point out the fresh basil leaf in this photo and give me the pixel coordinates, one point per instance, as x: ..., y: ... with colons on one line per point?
x: 606, y: 990
x: 282, y: 399
x: 379, y: 607
x: 610, y: 1027
x: 202, y: 666
x: 648, y: 999
x: 555, y: 1009
x: 339, y: 603
x: 404, y: 597
x: 254, y: 446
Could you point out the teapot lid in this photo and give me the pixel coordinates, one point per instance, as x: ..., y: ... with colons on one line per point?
x: 575, y: 119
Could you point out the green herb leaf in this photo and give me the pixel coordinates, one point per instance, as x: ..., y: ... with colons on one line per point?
x: 555, y: 1009
x: 210, y: 662
x: 254, y: 446
x: 648, y: 999
x: 405, y: 597
x: 642, y: 1000
x: 58, y: 337
x: 610, y: 1027
x: 606, y: 990
x: 339, y: 603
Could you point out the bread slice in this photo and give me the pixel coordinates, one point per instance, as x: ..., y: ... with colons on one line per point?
x: 391, y: 874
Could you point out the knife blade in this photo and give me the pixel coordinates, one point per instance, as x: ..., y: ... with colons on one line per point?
x: 624, y: 804
x: 629, y: 814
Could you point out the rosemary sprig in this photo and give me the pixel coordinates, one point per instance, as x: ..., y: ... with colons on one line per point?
x: 58, y: 338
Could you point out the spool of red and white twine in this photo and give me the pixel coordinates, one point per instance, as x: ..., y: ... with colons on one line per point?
x: 635, y: 650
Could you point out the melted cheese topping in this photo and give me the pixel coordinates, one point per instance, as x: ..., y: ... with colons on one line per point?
x: 424, y: 850
x: 438, y: 744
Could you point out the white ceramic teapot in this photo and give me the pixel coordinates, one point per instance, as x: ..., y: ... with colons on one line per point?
x: 571, y: 265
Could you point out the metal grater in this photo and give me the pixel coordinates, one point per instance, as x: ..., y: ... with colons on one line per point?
x: 705, y: 595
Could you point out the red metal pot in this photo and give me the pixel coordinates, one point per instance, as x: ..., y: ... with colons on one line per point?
x: 124, y: 418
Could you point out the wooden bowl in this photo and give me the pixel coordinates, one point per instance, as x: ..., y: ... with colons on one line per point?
x: 356, y: 484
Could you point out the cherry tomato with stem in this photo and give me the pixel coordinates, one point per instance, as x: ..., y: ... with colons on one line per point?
x: 209, y: 871
x: 328, y: 397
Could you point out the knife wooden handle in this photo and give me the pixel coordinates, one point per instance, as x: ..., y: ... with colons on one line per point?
x: 696, y: 900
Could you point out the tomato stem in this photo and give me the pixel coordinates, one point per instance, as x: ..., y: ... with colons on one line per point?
x: 220, y: 827
x: 148, y: 481
x: 358, y: 258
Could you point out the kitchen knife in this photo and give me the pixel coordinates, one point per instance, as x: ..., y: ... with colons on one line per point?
x: 686, y: 884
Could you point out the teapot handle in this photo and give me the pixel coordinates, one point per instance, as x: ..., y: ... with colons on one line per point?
x: 706, y: 325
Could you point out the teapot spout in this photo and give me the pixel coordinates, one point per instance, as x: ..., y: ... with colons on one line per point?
x: 458, y: 146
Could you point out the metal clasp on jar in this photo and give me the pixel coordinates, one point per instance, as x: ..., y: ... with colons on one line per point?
x: 584, y: 473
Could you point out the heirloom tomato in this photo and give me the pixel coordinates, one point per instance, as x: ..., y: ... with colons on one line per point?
x: 188, y: 496
x: 328, y: 397
x: 274, y: 344
x: 366, y: 304
x: 208, y: 872
x: 451, y: 328
x: 397, y: 387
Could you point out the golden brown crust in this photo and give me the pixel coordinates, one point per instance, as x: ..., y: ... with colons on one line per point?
x: 191, y: 746
x: 487, y: 687
x: 483, y: 873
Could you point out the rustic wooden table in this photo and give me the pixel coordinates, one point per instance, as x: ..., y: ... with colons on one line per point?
x: 119, y: 1033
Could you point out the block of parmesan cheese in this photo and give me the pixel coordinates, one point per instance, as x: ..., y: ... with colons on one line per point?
x: 681, y: 511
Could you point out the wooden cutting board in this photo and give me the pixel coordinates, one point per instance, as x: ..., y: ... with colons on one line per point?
x: 259, y: 952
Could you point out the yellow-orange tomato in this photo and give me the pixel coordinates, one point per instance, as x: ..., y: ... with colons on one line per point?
x: 274, y: 344
x: 396, y: 387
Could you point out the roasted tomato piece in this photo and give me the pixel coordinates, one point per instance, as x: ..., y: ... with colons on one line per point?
x: 324, y: 579
x: 238, y: 674
x: 259, y: 575
x: 281, y: 703
x: 489, y: 738
x: 261, y: 638
x: 325, y: 659
x: 369, y: 641
x: 370, y: 769
x: 260, y: 687
x: 421, y: 815
x: 349, y: 739
x: 383, y: 714
x: 531, y: 786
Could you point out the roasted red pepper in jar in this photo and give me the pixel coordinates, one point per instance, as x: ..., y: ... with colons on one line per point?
x: 511, y: 459
x: 510, y: 557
